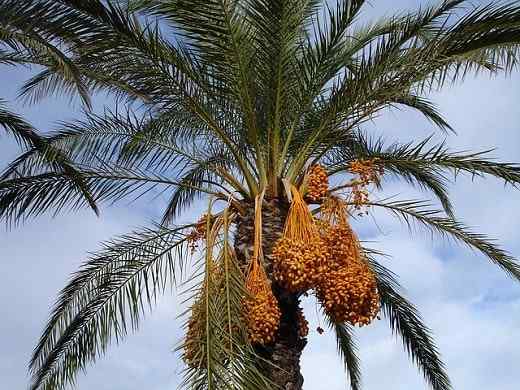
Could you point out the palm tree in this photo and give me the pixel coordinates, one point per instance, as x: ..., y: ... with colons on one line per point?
x: 251, y: 105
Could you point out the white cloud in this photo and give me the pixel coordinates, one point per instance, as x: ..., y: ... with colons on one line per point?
x: 472, y: 308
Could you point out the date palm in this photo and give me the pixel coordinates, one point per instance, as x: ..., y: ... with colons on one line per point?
x: 232, y: 101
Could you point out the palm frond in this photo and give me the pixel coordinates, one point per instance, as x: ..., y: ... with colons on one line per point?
x: 105, y: 300
x: 348, y: 351
x: 431, y: 157
x: 406, y: 322
x: 52, y: 159
x: 356, y: 95
x: 426, y: 176
x: 320, y: 62
x: 24, y: 133
x: 163, y: 141
x: 24, y: 197
x: 115, y: 44
x: 193, y: 179
x: 220, y: 354
x: 412, y: 58
x: 426, y: 108
x: 417, y: 211
x: 428, y: 165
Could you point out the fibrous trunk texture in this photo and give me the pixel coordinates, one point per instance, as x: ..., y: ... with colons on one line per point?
x: 284, y: 354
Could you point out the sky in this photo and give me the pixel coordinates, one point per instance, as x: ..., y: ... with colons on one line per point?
x: 472, y: 308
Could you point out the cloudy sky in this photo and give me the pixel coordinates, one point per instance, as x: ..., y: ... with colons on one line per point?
x: 472, y: 308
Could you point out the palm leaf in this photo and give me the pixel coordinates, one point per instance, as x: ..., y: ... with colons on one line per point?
x: 222, y: 356
x: 348, y: 351
x: 104, y: 300
x: 406, y: 321
x: 14, y: 125
x: 21, y: 198
x: 428, y: 165
x: 420, y: 212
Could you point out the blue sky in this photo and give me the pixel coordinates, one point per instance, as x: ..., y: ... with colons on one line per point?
x: 472, y: 308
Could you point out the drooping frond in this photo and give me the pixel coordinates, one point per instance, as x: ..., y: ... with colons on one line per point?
x: 430, y: 166
x: 52, y: 159
x: 216, y: 348
x: 432, y: 178
x: 39, y: 46
x: 406, y: 322
x: 422, y: 213
x: 348, y: 352
x: 14, y: 125
x: 424, y: 107
x: 105, y: 300
x: 25, y: 197
x: 436, y: 158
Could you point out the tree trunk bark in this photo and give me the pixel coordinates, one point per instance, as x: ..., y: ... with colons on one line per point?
x: 284, y: 354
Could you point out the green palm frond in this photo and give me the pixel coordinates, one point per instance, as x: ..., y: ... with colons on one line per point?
x: 184, y: 195
x: 25, y: 197
x: 430, y: 166
x: 411, y: 211
x: 221, y: 356
x: 431, y: 178
x: 425, y: 156
x: 105, y: 300
x: 163, y: 69
x: 49, y: 43
x: 24, y: 133
x: 227, y: 99
x: 229, y: 69
x: 426, y: 108
x: 348, y: 351
x: 401, y: 63
x: 163, y: 142
x: 320, y: 63
x: 28, y: 137
x: 406, y: 322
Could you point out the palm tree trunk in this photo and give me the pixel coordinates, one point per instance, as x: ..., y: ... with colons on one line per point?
x: 284, y: 354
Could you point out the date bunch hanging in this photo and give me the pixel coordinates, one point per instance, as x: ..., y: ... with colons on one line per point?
x: 195, y: 340
x: 368, y: 171
x: 299, y: 256
x: 263, y: 313
x: 348, y: 291
x: 317, y: 183
x: 198, y: 233
x: 261, y: 306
